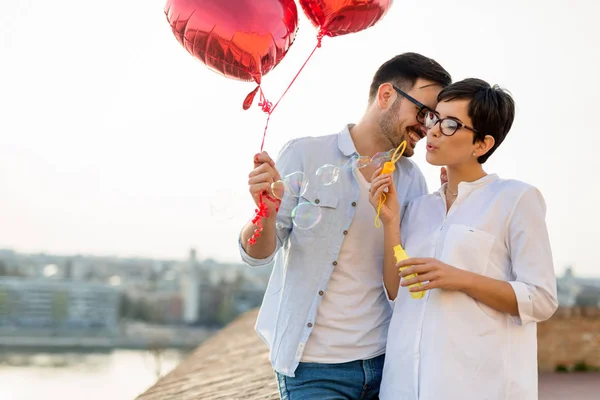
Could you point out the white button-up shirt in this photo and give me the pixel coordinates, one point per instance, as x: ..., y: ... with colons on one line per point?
x: 449, y: 346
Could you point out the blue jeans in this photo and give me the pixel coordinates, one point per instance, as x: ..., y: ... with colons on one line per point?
x: 354, y: 380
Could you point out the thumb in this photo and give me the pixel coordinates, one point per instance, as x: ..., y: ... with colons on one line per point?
x: 392, y: 187
x: 443, y: 175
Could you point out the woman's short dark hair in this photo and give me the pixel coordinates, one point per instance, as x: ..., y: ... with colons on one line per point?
x: 491, y: 109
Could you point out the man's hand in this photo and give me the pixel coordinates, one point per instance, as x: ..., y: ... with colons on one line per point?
x: 262, y: 177
x: 443, y: 175
x: 435, y: 273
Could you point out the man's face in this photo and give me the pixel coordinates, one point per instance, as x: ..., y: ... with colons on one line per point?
x: 402, y: 120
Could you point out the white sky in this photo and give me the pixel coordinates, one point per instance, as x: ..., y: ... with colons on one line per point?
x: 114, y: 140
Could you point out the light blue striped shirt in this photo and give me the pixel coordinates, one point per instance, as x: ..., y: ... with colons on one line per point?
x: 305, y: 258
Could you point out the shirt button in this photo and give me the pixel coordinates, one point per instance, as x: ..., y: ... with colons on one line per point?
x: 320, y: 293
x: 335, y: 263
x: 317, y: 201
x: 309, y: 325
x: 353, y: 204
x: 345, y: 232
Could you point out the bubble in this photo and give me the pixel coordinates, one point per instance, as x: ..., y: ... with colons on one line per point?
x: 306, y: 215
x: 328, y: 174
x: 293, y: 184
x: 375, y: 161
x: 362, y: 162
x: 381, y: 157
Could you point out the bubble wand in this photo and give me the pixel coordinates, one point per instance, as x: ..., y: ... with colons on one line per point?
x: 388, y: 168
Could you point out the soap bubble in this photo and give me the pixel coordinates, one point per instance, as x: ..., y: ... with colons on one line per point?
x: 328, y: 174
x: 306, y: 215
x: 293, y: 184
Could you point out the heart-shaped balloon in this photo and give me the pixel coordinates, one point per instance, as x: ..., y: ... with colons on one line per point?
x: 240, y: 39
x: 340, y: 17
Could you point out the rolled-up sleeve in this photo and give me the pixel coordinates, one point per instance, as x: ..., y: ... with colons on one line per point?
x: 391, y: 302
x: 288, y: 161
x: 534, y: 281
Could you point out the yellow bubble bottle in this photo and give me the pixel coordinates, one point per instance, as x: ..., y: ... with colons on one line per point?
x: 401, y: 255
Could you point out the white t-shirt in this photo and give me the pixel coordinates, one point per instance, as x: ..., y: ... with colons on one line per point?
x: 353, y: 317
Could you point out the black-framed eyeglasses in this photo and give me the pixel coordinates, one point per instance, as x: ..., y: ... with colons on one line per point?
x: 448, y: 126
x: 423, y: 109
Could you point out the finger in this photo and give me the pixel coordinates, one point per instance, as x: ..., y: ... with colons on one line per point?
x: 443, y: 175
x: 378, y: 182
x: 261, y: 178
x: 259, y: 188
x: 263, y: 157
x: 419, y: 278
x: 376, y: 173
x: 422, y: 288
x: 417, y: 269
x: 264, y: 168
x: 412, y: 261
x: 392, y: 187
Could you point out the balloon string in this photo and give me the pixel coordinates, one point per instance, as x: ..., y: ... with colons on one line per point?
x: 267, y: 106
x: 263, y: 211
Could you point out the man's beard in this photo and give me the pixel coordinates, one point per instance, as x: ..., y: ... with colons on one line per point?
x: 392, y: 131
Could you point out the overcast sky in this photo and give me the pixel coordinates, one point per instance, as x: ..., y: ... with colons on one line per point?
x: 114, y: 140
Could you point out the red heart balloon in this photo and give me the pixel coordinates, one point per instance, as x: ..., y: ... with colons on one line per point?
x: 240, y: 39
x: 340, y: 17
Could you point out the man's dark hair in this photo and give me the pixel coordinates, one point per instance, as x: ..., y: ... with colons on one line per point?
x: 491, y: 109
x: 404, y: 70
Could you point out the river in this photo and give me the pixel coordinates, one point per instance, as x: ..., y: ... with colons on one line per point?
x: 116, y: 375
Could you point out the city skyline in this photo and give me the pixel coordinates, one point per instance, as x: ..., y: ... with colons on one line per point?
x: 115, y: 141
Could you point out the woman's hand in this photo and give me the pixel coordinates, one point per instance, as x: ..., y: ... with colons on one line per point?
x: 384, y: 185
x: 435, y: 273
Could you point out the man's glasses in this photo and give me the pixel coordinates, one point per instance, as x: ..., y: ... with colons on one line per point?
x: 423, y: 109
x: 448, y: 126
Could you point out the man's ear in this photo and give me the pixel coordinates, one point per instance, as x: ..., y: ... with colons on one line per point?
x: 386, y: 95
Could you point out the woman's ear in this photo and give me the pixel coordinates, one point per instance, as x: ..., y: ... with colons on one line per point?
x: 485, y: 145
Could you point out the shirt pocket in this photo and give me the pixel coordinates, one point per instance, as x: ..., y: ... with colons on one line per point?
x: 315, y: 211
x: 468, y: 248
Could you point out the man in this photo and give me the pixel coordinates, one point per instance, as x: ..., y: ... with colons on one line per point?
x: 325, y: 314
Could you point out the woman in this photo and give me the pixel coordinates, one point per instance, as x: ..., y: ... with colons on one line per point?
x: 481, y: 250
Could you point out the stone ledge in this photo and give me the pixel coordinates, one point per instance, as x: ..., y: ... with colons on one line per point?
x: 231, y: 365
x: 234, y: 364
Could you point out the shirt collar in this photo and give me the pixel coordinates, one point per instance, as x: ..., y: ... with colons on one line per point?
x: 468, y: 187
x: 345, y: 142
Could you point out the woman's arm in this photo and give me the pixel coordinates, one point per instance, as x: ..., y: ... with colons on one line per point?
x: 391, y: 237
x: 531, y: 295
x: 389, y: 213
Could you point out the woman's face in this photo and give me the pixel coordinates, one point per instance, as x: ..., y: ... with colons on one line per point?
x: 450, y: 135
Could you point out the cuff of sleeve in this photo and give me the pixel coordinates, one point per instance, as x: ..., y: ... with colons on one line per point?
x: 251, y: 261
x: 524, y: 303
x: 392, y: 303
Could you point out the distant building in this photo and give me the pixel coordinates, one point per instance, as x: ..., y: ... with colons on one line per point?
x: 58, y: 305
x: 190, y: 289
x: 577, y: 291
